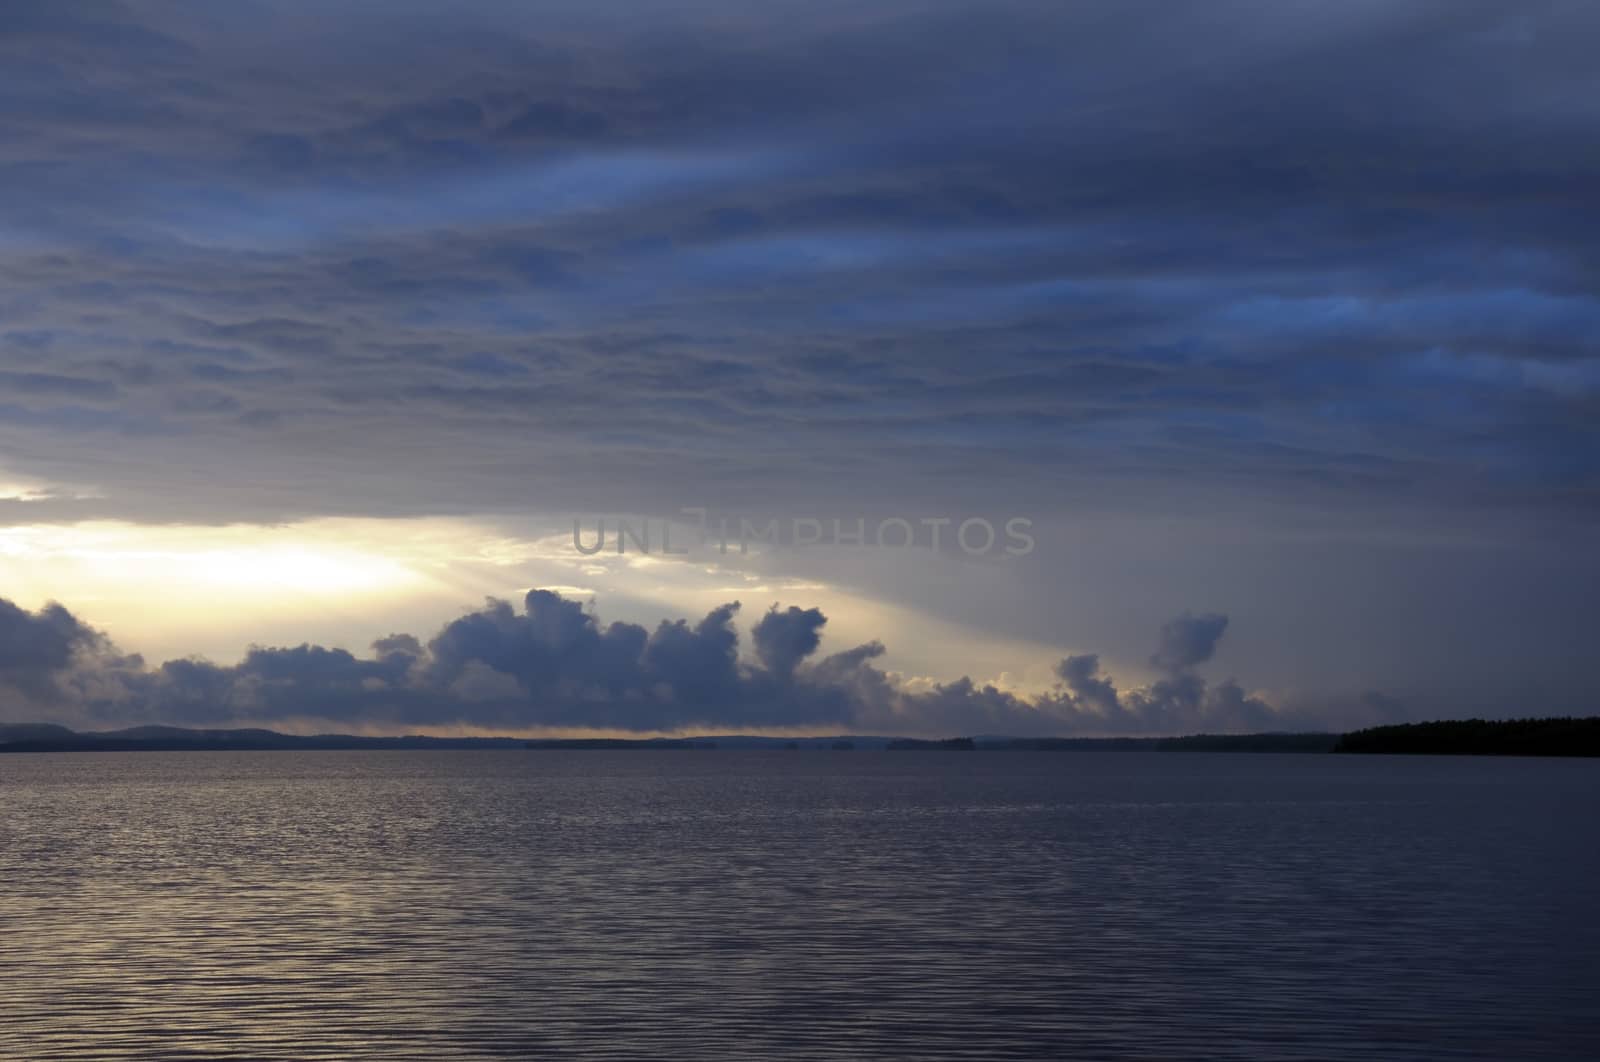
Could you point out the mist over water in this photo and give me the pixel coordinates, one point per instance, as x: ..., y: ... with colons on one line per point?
x: 810, y: 905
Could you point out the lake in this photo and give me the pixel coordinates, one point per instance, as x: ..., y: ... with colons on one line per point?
x: 812, y: 904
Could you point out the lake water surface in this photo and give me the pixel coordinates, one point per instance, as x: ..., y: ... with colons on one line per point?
x: 768, y: 905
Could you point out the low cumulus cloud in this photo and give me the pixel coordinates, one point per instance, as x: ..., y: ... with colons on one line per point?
x: 554, y: 663
x: 36, y: 646
x: 1188, y: 641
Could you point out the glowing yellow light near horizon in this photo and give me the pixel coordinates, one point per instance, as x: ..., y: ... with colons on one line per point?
x: 168, y: 591
x: 175, y: 590
x: 303, y: 570
x: 183, y: 561
x: 21, y: 492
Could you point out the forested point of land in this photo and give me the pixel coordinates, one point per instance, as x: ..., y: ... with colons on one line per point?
x: 1481, y: 737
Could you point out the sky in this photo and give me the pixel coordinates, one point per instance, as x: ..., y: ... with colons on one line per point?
x: 1258, y: 335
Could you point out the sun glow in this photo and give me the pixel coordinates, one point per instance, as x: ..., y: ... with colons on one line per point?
x: 300, y: 560
x: 173, y: 590
x: 21, y: 492
x: 299, y: 569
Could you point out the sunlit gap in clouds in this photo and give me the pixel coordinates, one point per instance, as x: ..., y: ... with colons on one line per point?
x: 175, y: 591
x: 21, y: 492
x: 178, y: 590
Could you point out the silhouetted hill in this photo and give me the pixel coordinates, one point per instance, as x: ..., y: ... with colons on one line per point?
x: 620, y: 743
x: 45, y: 732
x: 48, y: 738
x: 1481, y: 737
x: 1191, y: 743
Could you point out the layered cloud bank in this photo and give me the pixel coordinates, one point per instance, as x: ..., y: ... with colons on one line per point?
x: 555, y: 665
x: 924, y: 248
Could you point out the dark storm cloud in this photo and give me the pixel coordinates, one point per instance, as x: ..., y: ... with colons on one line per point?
x: 935, y: 248
x: 1188, y: 641
x: 555, y: 664
x: 1087, y: 687
x: 35, y: 646
x: 784, y: 639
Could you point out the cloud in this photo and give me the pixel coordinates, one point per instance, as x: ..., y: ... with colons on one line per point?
x: 555, y: 665
x: 1188, y: 641
x: 784, y: 639
x: 1086, y: 687
x: 37, y: 646
x: 801, y: 235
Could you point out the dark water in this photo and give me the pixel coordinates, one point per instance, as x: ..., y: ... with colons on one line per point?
x: 797, y: 905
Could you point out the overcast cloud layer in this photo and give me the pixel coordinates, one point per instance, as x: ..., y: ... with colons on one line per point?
x: 267, y: 259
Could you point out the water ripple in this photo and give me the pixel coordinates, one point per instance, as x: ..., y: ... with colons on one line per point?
x: 440, y: 905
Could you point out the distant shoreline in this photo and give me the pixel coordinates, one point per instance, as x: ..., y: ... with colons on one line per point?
x: 1472, y: 737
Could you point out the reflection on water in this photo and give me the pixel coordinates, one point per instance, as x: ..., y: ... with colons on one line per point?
x: 756, y: 905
